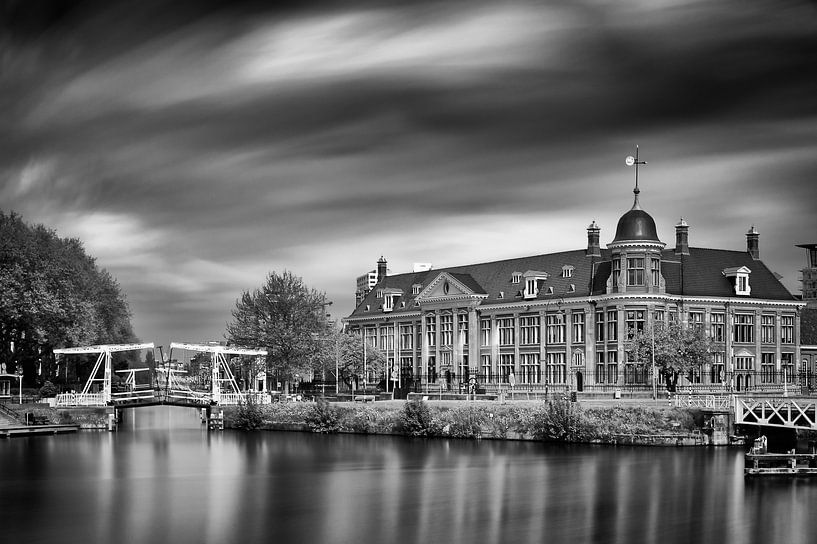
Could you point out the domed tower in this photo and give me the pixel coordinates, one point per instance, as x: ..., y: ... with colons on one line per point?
x: 636, y: 249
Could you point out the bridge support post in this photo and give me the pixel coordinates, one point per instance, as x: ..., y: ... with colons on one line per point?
x: 111, y: 418
x: 719, y: 426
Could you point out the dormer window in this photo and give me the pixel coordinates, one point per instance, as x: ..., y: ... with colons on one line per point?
x: 516, y: 277
x: 367, y: 307
x: 533, y: 281
x: 390, y: 296
x: 572, y: 288
x: 415, y: 289
x: 380, y: 293
x: 388, y: 303
x: 567, y: 271
x: 738, y: 276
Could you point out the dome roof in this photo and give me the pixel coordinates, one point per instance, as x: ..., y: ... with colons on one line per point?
x: 636, y: 225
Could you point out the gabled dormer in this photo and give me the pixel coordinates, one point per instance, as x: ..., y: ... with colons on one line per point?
x: 390, y: 296
x: 534, y: 279
x: 738, y: 276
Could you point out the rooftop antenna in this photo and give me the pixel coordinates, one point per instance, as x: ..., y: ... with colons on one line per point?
x: 633, y: 161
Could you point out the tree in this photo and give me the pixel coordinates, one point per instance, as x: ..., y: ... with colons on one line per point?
x: 347, y: 349
x: 52, y: 294
x: 282, y: 316
x: 678, y: 349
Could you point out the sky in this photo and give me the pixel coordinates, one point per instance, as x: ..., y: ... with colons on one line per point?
x: 195, y: 149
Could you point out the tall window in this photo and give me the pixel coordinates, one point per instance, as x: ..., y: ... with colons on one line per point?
x: 744, y: 328
x: 431, y: 331
x: 431, y: 369
x: 787, y: 366
x: 556, y: 368
x: 485, y: 368
x: 634, y: 371
x: 462, y: 327
x: 485, y: 332
x: 716, y: 327
x: 767, y: 368
x: 506, y: 366
x: 635, y: 271
x: 463, y: 367
x: 371, y: 336
x: 578, y: 327
x: 616, y: 271
x: 767, y: 329
x: 505, y: 331
x: 635, y: 320
x: 529, y: 329
x: 406, y: 336
x: 612, y: 325
x: 446, y: 330
x: 387, y: 338
x: 600, y: 367
x: 529, y: 365
x: 555, y: 328
x: 718, y: 369
x: 787, y: 329
x: 744, y: 363
x: 655, y: 271
x: 600, y: 326
x: 696, y: 320
x: 612, y: 367
x: 406, y: 367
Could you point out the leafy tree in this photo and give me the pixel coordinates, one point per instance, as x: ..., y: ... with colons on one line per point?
x: 347, y: 349
x: 678, y: 349
x: 282, y: 316
x: 52, y: 294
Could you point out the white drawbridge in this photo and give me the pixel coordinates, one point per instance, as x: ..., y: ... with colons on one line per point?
x: 103, y: 397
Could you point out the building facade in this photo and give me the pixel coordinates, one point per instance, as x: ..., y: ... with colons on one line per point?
x: 562, y: 320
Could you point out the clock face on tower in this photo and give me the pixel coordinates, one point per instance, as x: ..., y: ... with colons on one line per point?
x: 630, y: 160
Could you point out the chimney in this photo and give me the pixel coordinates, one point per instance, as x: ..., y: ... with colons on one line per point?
x: 593, y: 248
x: 682, y: 238
x: 752, y: 245
x: 381, y: 269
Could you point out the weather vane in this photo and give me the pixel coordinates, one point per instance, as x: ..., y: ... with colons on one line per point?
x: 633, y: 161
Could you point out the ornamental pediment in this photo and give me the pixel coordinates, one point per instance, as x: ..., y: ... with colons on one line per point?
x: 444, y: 286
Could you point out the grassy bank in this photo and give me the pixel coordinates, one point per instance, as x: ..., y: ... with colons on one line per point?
x: 558, y: 421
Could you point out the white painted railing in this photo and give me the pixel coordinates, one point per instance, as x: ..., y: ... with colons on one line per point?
x: 232, y: 399
x: 81, y: 399
x: 712, y: 402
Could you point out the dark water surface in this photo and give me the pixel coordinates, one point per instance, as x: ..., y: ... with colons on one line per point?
x: 165, y: 479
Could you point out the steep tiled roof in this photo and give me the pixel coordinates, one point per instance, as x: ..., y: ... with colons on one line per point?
x: 696, y: 274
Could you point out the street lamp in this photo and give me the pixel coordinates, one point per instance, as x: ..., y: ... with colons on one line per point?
x: 19, y: 373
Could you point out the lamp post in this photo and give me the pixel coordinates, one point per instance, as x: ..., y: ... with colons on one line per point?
x: 19, y: 373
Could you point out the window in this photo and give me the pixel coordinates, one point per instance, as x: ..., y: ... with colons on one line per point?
x: 744, y: 328
x: 718, y: 369
x: 716, y: 327
x: 612, y: 325
x: 578, y: 327
x: 739, y: 276
x: 485, y: 368
x: 380, y: 293
x: 787, y: 329
x: 787, y: 367
x: 567, y: 271
x: 415, y: 289
x: 529, y: 329
x: 555, y: 328
x: 742, y: 285
x: 634, y: 371
x: 556, y: 368
x: 431, y: 369
x: 431, y: 331
x: 635, y: 271
x: 506, y: 366
x: 485, y: 332
x: 767, y: 368
x: 506, y: 337
x: 612, y: 367
x: 463, y: 368
x: 516, y: 277
x: 616, y: 271
x: 387, y: 338
x: 767, y: 329
x: 531, y: 372
x: 635, y: 320
x: 658, y: 316
x: 600, y: 326
x: 600, y: 367
x: 371, y: 336
x: 406, y: 336
x: 446, y: 330
x: 530, y: 288
x: 696, y: 320
x: 462, y: 327
x: 406, y: 367
x: 655, y: 271
x: 744, y: 363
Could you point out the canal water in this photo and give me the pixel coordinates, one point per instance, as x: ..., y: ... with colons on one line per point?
x: 163, y: 478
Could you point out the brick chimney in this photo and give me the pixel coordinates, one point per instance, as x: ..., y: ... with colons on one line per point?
x: 593, y: 248
x: 752, y: 243
x: 682, y: 238
x: 381, y: 269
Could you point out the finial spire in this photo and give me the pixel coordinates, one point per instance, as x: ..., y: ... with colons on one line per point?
x: 633, y: 161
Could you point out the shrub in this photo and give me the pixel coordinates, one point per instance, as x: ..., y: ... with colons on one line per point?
x: 249, y: 416
x: 561, y: 421
x: 48, y: 390
x: 467, y: 422
x: 415, y: 418
x: 323, y: 418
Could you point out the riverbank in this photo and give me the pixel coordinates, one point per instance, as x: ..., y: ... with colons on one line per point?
x: 641, y: 423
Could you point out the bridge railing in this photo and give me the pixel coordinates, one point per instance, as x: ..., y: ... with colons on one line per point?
x: 257, y: 397
x: 80, y: 399
x: 711, y: 402
x: 135, y: 395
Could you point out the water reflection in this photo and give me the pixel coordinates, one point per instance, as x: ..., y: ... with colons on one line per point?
x: 163, y: 478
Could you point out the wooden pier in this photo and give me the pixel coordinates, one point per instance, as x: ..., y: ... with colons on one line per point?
x: 758, y: 462
x: 31, y: 430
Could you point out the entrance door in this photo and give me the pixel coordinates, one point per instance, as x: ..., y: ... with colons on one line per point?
x: 579, y: 381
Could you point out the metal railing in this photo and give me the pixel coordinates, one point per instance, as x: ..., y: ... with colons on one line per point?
x: 81, y: 399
